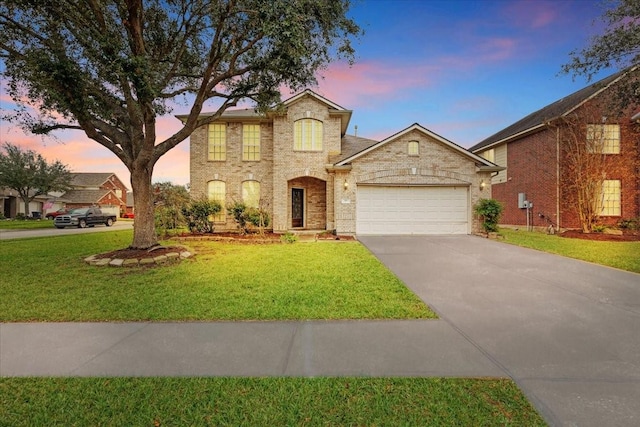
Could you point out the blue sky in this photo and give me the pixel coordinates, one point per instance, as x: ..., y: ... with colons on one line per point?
x: 463, y: 69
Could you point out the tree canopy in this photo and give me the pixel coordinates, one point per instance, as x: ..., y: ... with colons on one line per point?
x: 30, y: 175
x: 618, y: 47
x: 110, y: 67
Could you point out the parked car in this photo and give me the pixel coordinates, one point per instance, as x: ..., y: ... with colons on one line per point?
x: 51, y: 215
x: 84, y: 217
x: 128, y: 215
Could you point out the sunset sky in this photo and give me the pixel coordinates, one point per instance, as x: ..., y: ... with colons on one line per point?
x: 463, y: 69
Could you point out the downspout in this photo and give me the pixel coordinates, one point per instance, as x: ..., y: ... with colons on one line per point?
x: 558, y: 178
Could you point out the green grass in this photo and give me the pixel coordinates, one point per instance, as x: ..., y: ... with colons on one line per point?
x: 46, y: 279
x: 622, y: 255
x: 29, y: 224
x: 263, y: 402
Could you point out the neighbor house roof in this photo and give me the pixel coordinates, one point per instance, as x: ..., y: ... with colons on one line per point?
x: 86, y: 196
x: 89, y: 179
x: 537, y: 120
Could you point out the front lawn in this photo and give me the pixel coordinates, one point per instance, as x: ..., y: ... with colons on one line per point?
x: 622, y: 255
x: 263, y: 402
x: 45, y: 279
x: 25, y: 224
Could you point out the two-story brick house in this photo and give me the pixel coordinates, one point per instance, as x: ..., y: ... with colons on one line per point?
x: 535, y: 150
x: 94, y: 189
x: 300, y: 165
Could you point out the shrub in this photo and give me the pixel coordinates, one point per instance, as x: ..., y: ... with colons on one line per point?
x: 289, y: 237
x: 245, y: 216
x: 198, y: 215
x: 630, y: 224
x: 20, y: 216
x: 168, y: 218
x: 490, y: 211
x: 598, y: 228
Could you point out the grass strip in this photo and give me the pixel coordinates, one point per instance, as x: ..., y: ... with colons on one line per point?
x: 46, y: 279
x: 263, y: 401
x: 27, y: 224
x: 622, y: 255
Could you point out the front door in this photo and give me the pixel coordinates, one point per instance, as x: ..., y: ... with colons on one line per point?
x: 297, y: 207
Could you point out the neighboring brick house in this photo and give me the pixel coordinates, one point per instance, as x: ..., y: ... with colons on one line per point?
x: 300, y: 165
x: 534, y: 152
x: 94, y: 189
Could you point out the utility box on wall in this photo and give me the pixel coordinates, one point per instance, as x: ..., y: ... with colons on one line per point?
x: 522, y: 200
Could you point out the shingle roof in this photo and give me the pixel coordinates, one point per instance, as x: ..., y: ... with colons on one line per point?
x: 352, y: 145
x: 551, y: 111
x: 89, y: 179
x: 85, y: 196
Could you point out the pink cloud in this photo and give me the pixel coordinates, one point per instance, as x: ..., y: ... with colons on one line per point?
x: 370, y: 82
x: 532, y: 14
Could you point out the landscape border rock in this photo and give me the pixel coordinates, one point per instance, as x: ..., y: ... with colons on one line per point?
x: 148, y: 259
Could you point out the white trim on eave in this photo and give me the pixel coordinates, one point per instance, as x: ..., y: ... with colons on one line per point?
x: 510, y: 138
x: 427, y: 132
x: 309, y: 92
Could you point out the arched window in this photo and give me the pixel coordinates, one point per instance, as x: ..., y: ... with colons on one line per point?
x: 217, y: 190
x: 413, y: 148
x: 307, y: 135
x: 251, y: 193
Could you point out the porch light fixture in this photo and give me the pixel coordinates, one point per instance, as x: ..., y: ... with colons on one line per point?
x: 482, y: 185
x: 346, y: 185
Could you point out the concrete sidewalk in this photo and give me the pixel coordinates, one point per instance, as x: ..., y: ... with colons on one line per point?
x: 421, y: 348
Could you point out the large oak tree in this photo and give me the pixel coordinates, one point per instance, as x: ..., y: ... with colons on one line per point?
x: 110, y: 68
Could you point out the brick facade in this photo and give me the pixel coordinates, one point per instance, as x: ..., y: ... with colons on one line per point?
x: 327, y: 203
x: 535, y: 166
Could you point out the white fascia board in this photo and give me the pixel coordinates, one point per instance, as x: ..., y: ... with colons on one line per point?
x: 309, y: 92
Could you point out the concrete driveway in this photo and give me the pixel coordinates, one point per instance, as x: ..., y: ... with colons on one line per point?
x: 568, y: 332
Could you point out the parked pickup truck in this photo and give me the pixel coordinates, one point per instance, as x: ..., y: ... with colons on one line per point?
x: 84, y: 217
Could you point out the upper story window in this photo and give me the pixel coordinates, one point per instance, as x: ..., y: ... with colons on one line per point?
x: 251, y: 142
x: 413, y: 148
x: 217, y: 142
x: 307, y: 135
x: 251, y: 194
x: 217, y: 190
x: 611, y: 205
x: 489, y: 155
x: 603, y: 139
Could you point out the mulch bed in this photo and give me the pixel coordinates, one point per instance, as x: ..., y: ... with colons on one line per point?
x: 251, y: 238
x: 255, y: 238
x: 627, y: 236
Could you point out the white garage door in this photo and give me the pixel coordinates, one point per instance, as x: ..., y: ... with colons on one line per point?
x: 412, y: 210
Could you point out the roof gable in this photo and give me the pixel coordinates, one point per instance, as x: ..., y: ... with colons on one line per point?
x: 535, y: 121
x: 415, y: 127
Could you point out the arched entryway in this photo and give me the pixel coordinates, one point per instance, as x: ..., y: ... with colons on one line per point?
x: 307, y: 203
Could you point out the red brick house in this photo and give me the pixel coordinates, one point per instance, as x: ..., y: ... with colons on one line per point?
x: 95, y: 189
x: 534, y: 152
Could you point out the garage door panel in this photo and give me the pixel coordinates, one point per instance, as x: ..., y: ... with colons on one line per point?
x: 412, y: 210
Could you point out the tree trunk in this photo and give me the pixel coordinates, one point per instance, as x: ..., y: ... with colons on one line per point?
x: 26, y: 206
x: 144, y: 230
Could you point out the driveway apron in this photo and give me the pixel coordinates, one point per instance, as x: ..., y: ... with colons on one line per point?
x: 567, y: 331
